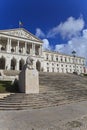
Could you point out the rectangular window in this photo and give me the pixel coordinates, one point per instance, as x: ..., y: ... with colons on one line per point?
x: 47, y: 69
x: 52, y: 57
x: 56, y: 58
x: 57, y: 69
x: 52, y: 69
x: 47, y: 57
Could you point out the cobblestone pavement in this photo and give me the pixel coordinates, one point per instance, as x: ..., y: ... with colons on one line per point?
x: 65, y: 117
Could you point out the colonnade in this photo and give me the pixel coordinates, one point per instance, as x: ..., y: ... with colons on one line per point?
x: 15, y: 46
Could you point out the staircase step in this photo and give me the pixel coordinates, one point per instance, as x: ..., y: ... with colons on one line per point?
x: 55, y: 89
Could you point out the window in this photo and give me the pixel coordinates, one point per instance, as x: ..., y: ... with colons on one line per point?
x: 76, y: 60
x: 57, y: 65
x: 12, y: 50
x: 2, y: 48
x: 69, y: 59
x: 57, y: 69
x: 66, y: 70
x: 70, y: 70
x: 20, y: 50
x: 52, y: 69
x: 52, y: 57
x: 61, y: 65
x: 79, y: 60
x: 47, y: 56
x: 65, y: 59
x: 83, y: 62
x: 47, y: 69
x: 61, y: 59
x: 47, y: 63
x: 62, y: 70
x: 73, y: 60
x: 56, y: 58
x: 36, y: 53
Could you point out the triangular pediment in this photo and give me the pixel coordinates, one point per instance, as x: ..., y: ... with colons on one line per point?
x: 20, y: 32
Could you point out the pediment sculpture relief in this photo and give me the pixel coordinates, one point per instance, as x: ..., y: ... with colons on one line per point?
x: 22, y: 34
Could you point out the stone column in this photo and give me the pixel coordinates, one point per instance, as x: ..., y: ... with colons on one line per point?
x: 31, y: 52
x: 18, y: 47
x: 33, y: 49
x: 10, y: 45
x: 40, y: 50
x: 25, y: 47
x: 7, y: 47
x: 17, y: 65
x: 8, y: 64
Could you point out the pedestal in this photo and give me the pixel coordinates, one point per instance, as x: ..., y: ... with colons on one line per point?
x: 29, y: 81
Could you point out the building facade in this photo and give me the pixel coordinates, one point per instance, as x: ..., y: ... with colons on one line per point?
x: 57, y: 62
x: 17, y: 44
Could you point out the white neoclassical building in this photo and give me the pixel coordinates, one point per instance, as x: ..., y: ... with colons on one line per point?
x: 17, y: 44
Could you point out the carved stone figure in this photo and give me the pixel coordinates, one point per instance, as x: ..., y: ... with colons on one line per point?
x: 29, y: 62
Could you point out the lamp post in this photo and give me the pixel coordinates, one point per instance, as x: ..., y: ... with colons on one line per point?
x: 74, y: 55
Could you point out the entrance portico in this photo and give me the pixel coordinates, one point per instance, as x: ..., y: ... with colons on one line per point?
x: 18, y: 43
x: 19, y: 47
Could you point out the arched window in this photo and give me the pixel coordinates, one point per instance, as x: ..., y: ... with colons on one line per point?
x: 13, y: 64
x: 61, y: 59
x: 2, y: 48
x: 12, y: 50
x: 56, y: 58
x: 52, y: 57
x: 2, y: 63
x: 38, y: 65
x: 21, y: 64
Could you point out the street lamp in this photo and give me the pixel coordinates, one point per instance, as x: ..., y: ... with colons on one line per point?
x: 74, y: 52
x: 74, y: 55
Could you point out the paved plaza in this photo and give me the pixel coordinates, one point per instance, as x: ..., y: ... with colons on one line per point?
x: 65, y: 117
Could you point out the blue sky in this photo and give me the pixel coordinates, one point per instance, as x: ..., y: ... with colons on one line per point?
x: 61, y: 24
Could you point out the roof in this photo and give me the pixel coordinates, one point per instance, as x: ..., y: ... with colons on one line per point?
x: 21, y: 32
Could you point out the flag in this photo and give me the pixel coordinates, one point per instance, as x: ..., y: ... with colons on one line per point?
x: 20, y: 24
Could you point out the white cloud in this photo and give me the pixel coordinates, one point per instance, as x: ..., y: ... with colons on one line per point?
x: 39, y: 33
x: 79, y: 44
x: 46, y: 44
x: 71, y: 27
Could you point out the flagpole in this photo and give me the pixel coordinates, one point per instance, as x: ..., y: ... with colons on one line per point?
x: 20, y: 24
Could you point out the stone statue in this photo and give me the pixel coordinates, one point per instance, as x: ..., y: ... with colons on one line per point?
x: 29, y: 63
x: 29, y: 78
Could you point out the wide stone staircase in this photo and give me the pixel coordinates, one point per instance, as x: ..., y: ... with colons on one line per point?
x: 55, y: 89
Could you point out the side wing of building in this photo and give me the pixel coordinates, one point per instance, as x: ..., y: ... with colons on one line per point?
x: 56, y: 62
